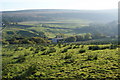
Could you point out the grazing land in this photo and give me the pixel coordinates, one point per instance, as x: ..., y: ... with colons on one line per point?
x: 75, y: 61
x: 60, y: 44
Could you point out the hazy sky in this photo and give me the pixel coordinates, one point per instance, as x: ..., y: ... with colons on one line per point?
x: 58, y: 4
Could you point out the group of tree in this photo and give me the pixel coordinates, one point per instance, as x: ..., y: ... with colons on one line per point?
x: 84, y: 37
x: 23, y: 40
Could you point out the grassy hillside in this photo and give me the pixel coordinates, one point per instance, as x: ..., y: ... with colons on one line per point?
x: 89, y: 49
x: 51, y: 29
x: 61, y: 15
x: 62, y: 61
x: 49, y: 22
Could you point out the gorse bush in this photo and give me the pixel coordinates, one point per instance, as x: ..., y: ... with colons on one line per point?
x: 50, y: 50
x: 68, y: 56
x: 102, y: 48
x: 7, y: 55
x: 105, y: 47
x: 113, y: 46
x: 64, y: 50
x: 20, y: 59
x: 31, y: 49
x: 82, y: 46
x: 76, y: 46
x: 54, y: 62
x: 94, y: 48
x: 92, y: 57
x: 59, y: 45
x: 70, y: 47
x: 42, y: 49
x: 82, y: 51
x: 36, y: 51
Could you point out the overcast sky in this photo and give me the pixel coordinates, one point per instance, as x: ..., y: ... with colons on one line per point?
x: 58, y: 4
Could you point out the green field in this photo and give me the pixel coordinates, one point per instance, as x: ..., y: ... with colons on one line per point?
x: 87, y: 50
x: 68, y: 22
x: 60, y: 61
x: 50, y: 29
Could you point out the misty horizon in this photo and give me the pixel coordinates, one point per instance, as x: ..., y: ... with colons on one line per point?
x: 13, y: 5
x: 61, y: 9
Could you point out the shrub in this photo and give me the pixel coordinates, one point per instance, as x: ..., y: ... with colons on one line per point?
x: 59, y: 45
x: 94, y: 48
x: 64, y: 45
x: 69, y: 47
x: 69, y: 61
x: 64, y: 50
x: 36, y: 51
x: 68, y: 56
x: 82, y: 51
x: 7, y: 55
x: 75, y: 47
x: 70, y: 39
x: 26, y: 54
x: 82, y: 46
x: 113, y: 46
x: 21, y: 59
x: 42, y: 49
x: 105, y: 47
x: 92, y: 57
x: 31, y: 49
x: 51, y: 50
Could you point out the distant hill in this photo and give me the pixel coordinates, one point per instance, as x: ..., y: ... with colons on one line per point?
x: 50, y: 22
x: 61, y: 14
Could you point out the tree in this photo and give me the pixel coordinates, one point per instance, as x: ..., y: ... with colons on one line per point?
x: 88, y: 36
x: 98, y: 35
x: 80, y: 37
x: 71, y: 39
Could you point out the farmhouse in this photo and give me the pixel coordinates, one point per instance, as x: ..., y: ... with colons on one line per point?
x: 57, y: 39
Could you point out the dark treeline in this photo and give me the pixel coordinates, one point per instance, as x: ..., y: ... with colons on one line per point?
x: 26, y: 40
x: 85, y: 37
